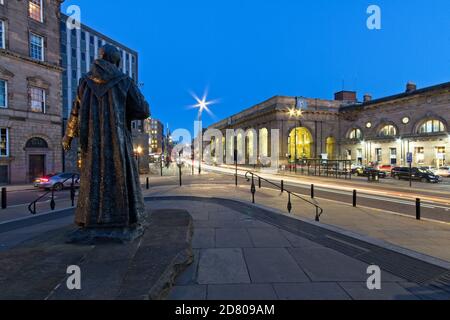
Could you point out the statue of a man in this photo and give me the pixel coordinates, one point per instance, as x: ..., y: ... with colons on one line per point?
x: 106, y: 104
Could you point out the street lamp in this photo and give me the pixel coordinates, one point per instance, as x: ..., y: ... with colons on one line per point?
x: 296, y: 113
x: 180, y: 164
x: 202, y: 105
x: 138, y: 151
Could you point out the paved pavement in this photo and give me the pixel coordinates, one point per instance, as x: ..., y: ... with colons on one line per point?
x: 426, y: 237
x: 238, y: 257
x: 372, y: 196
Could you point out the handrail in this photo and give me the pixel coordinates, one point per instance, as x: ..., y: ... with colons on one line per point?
x: 319, y: 210
x: 75, y: 179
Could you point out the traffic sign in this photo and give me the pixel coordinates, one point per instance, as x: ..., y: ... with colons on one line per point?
x: 409, y: 157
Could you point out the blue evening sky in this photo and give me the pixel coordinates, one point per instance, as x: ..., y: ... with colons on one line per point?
x: 246, y: 51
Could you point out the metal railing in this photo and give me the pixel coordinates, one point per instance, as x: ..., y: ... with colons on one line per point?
x: 291, y: 194
x: 75, y: 180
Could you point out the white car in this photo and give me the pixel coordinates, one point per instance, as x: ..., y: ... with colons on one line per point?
x: 443, y: 172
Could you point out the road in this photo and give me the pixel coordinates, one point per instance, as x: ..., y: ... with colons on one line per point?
x: 25, y: 197
x: 390, y: 195
x: 387, y: 196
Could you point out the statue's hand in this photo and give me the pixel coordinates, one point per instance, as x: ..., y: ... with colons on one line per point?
x: 66, y: 143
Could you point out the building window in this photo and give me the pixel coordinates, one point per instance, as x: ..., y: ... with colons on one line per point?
x: 388, y: 131
x: 3, y: 94
x: 37, y: 100
x: 420, y: 155
x: 379, y: 155
x: 2, y: 35
x: 432, y: 126
x: 440, y: 156
x: 355, y: 134
x: 359, y: 156
x: 36, y: 47
x: 35, y: 10
x: 393, y: 152
x: 4, y: 142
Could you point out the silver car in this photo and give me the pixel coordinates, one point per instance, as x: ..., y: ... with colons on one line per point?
x: 58, y: 181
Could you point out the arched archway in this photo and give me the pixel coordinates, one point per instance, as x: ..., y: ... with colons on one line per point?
x: 264, y: 142
x: 37, y: 157
x: 331, y: 147
x: 300, y: 143
x: 251, y: 140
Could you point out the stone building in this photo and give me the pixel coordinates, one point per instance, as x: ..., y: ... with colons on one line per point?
x: 30, y: 90
x: 140, y: 138
x: 155, y: 129
x: 377, y: 132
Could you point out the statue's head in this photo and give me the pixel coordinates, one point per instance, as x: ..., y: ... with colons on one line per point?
x: 110, y: 54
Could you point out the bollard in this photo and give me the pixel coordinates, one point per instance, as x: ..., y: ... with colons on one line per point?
x: 4, y: 199
x: 282, y: 186
x: 312, y: 191
x: 289, y: 206
x: 259, y: 182
x: 354, y: 198
x: 418, y: 213
x: 148, y: 183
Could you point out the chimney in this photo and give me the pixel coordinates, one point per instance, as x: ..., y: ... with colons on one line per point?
x: 367, y: 97
x: 348, y: 96
x: 411, y: 87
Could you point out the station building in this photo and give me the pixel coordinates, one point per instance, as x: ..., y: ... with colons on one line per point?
x: 372, y: 132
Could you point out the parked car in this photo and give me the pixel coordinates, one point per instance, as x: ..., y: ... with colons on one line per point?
x: 355, y: 167
x: 58, y: 181
x: 443, y: 172
x: 387, y: 169
x: 417, y: 174
x: 369, y: 171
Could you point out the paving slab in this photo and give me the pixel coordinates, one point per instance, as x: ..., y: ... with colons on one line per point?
x: 389, y: 291
x: 222, y: 266
x: 233, y: 238
x: 241, y: 292
x: 312, y: 261
x: 268, y: 238
x: 189, y: 276
x: 204, y: 238
x: 273, y: 265
x: 192, y: 292
x: 310, y: 291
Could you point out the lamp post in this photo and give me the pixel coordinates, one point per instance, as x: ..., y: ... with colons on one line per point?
x: 202, y: 105
x: 296, y: 113
x: 180, y: 164
x: 138, y: 152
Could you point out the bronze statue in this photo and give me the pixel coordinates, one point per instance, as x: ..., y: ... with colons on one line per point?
x: 106, y: 104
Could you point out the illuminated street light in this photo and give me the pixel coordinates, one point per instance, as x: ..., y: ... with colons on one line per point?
x: 297, y: 113
x: 202, y: 105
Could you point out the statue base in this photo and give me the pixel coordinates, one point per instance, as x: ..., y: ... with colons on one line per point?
x: 92, y: 236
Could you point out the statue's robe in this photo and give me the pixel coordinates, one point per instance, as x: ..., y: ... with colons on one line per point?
x: 107, y: 102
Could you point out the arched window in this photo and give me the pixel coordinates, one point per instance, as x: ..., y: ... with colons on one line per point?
x: 432, y: 126
x: 388, y: 131
x: 36, y: 143
x: 355, y: 134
